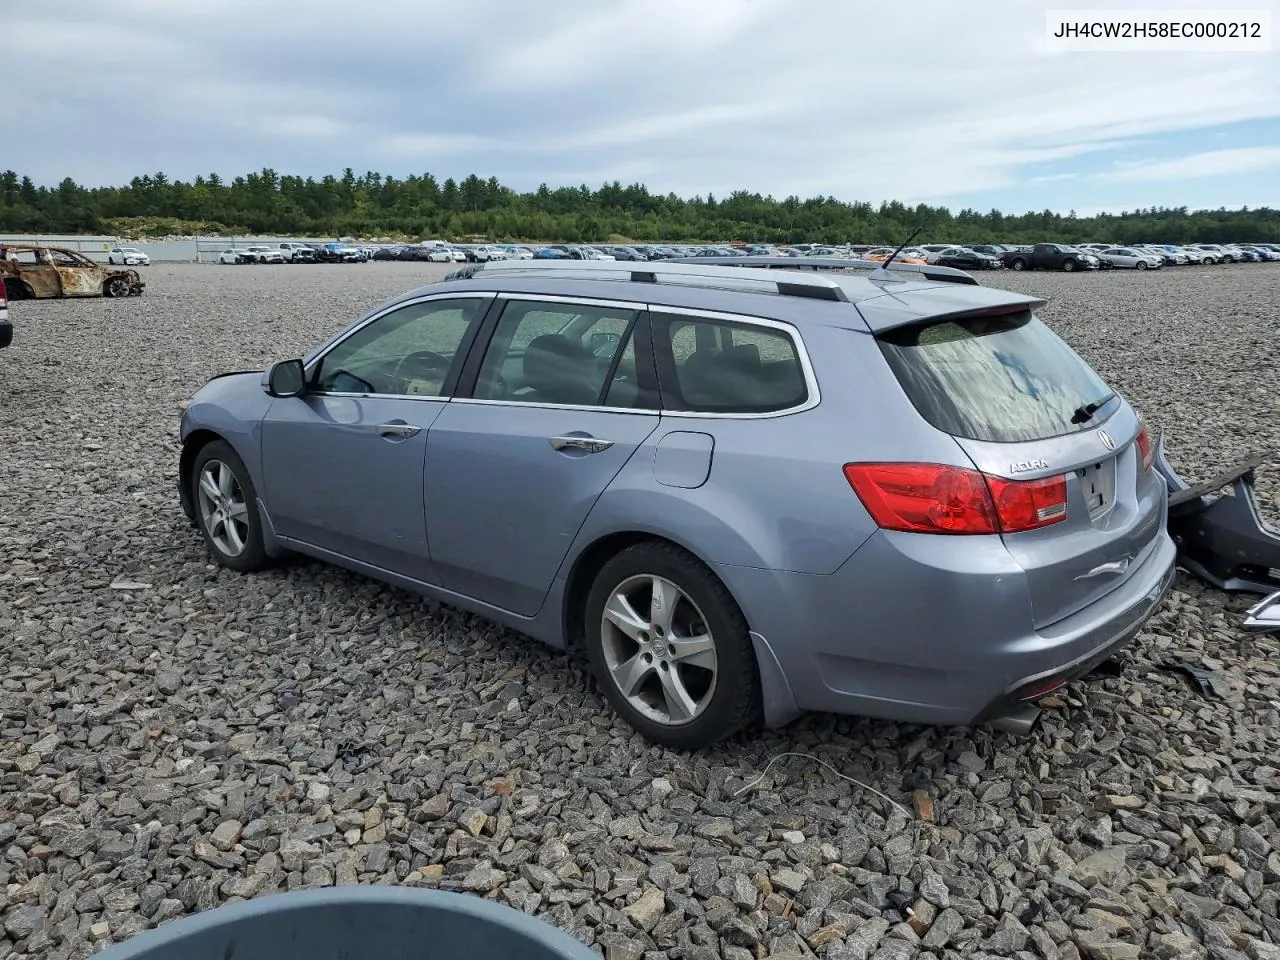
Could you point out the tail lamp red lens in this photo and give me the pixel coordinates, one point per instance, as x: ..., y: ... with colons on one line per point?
x: 939, y: 498
x: 1146, y: 449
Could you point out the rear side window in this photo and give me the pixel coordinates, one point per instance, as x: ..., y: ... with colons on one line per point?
x: 718, y: 366
x: 1005, y: 378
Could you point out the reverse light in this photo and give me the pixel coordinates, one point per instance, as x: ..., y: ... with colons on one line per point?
x: 940, y: 498
x: 1146, y: 449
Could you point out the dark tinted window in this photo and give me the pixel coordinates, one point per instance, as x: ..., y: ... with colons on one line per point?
x: 716, y: 366
x: 1003, y: 378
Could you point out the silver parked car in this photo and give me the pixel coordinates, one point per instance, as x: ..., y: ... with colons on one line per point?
x: 1131, y: 258
x: 744, y: 492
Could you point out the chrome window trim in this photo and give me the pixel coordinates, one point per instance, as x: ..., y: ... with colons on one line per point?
x: 325, y: 349
x: 813, y: 395
x: 379, y: 396
x: 581, y: 407
x: 813, y: 398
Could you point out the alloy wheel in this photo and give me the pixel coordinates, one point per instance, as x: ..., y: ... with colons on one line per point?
x: 658, y: 649
x: 223, y: 510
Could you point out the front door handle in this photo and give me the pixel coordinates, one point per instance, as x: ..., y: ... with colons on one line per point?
x: 585, y: 444
x: 398, y: 430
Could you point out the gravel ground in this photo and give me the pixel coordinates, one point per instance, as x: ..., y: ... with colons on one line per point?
x: 190, y: 737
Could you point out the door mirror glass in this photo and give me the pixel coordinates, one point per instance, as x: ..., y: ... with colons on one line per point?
x: 286, y: 379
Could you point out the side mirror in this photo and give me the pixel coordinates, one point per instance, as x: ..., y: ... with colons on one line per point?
x: 285, y: 379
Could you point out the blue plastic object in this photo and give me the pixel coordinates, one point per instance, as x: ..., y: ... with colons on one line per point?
x: 355, y: 923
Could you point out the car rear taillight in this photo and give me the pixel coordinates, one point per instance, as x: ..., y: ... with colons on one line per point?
x: 1146, y: 449
x: 939, y: 498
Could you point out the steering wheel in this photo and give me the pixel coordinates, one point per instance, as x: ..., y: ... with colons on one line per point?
x: 422, y: 364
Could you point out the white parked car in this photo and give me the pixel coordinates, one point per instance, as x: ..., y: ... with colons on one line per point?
x: 1128, y: 257
x: 931, y: 250
x: 442, y: 255
x: 296, y: 252
x: 128, y: 256
x: 459, y: 255
x: 234, y: 255
x: 264, y: 255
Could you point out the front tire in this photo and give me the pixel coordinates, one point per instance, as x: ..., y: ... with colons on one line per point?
x: 1141, y: 264
x: 1068, y: 266
x: 1019, y: 264
x: 117, y: 287
x: 669, y: 647
x: 226, y: 508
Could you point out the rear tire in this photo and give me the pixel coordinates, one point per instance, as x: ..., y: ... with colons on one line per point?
x: 693, y: 681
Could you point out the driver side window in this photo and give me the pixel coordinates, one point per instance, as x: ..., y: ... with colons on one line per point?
x: 407, y: 352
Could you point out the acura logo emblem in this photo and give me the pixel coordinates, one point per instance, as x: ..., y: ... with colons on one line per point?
x: 1106, y: 440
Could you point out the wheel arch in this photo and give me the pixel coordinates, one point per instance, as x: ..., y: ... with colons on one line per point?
x: 582, y: 574
x: 775, y: 703
x: 15, y: 288
x: 196, y: 441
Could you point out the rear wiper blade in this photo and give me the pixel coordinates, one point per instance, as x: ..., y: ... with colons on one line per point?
x: 1085, y: 413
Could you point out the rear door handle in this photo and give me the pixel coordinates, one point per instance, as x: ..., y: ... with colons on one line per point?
x: 397, y: 430
x: 586, y: 444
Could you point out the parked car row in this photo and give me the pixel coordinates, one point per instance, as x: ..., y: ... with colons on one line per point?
x: 1094, y: 256
x: 1172, y: 255
x: 297, y: 252
x: 963, y: 256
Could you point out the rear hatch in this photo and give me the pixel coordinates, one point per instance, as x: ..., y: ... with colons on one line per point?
x: 1025, y: 407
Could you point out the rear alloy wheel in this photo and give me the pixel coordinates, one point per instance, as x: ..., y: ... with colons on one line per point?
x: 670, y: 648
x: 118, y: 287
x: 226, y: 507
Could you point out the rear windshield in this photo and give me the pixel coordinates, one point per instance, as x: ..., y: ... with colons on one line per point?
x: 1005, y: 378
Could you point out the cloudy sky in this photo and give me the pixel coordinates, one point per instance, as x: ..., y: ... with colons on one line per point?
x: 935, y: 101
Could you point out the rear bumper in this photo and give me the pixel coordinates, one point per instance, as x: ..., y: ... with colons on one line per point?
x: 905, y: 632
x: 1110, y: 636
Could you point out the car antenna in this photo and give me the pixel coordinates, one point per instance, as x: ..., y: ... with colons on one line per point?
x: 882, y: 272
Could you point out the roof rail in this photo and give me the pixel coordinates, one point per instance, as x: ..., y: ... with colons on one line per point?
x: 879, y: 271
x: 692, y: 272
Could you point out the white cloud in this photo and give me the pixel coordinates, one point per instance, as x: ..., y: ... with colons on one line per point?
x: 1212, y: 163
x: 927, y: 100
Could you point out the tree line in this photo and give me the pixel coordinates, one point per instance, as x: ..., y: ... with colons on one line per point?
x: 420, y: 206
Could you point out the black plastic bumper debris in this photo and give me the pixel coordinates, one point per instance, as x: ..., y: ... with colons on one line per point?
x: 1223, y: 539
x: 355, y: 923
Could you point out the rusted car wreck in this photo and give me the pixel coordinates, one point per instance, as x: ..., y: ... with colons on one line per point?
x: 40, y: 272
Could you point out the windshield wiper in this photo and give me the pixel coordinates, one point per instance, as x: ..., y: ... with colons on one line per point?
x: 1085, y: 413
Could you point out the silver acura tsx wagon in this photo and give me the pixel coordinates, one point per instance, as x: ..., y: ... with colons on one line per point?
x: 747, y: 492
